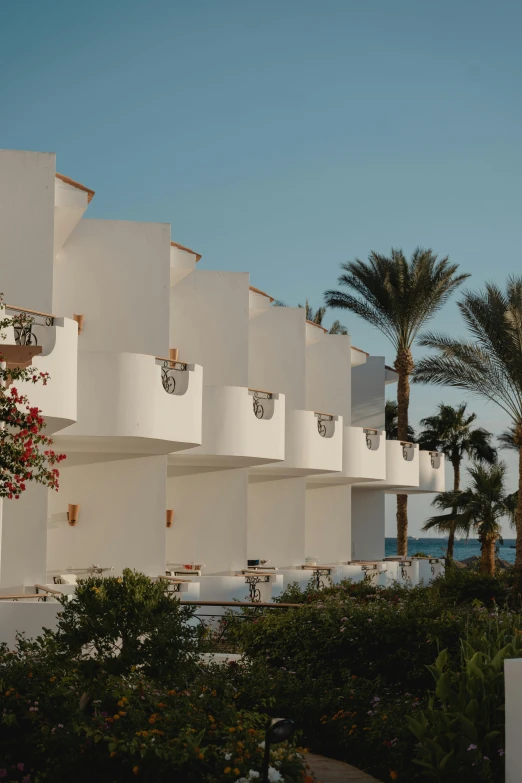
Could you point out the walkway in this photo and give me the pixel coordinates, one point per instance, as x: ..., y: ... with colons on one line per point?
x: 331, y: 771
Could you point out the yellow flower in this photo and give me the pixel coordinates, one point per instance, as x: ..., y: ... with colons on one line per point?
x: 231, y: 729
x: 211, y: 719
x: 121, y: 703
x: 116, y: 717
x: 227, y: 770
x: 236, y: 771
x: 385, y: 717
x: 120, y: 580
x: 52, y: 679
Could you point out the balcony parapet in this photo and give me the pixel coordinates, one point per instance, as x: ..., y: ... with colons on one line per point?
x: 123, y: 406
x: 57, y: 341
x: 241, y: 427
x: 313, y: 445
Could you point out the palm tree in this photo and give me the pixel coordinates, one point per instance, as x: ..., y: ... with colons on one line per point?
x: 397, y: 296
x: 451, y: 432
x: 480, y: 507
x: 391, y: 422
x: 507, y: 439
x: 488, y: 365
x: 316, y: 316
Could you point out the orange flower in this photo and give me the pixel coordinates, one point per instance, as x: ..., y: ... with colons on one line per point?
x: 236, y: 771
x: 52, y: 679
x: 113, y: 754
x: 136, y: 770
x: 201, y: 756
x: 227, y: 770
x: 122, y: 712
x: 394, y: 775
x: 116, y: 717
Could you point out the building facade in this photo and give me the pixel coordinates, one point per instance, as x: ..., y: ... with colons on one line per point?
x: 183, y: 396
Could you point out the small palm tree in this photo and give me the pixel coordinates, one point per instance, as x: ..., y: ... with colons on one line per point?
x: 478, y: 508
x: 397, y: 296
x: 451, y: 432
x: 488, y: 365
x: 316, y: 316
x: 391, y: 422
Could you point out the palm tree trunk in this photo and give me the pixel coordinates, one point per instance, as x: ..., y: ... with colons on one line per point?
x: 456, y: 487
x: 518, y: 517
x: 487, y: 555
x: 404, y: 367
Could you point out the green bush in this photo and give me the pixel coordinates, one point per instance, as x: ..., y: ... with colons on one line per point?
x: 461, y: 732
x: 119, y: 693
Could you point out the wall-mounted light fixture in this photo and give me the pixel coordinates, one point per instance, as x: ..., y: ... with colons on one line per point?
x: 79, y: 320
x: 170, y: 516
x: 73, y: 513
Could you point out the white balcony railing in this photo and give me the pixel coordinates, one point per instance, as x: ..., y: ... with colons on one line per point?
x: 431, y: 471
x: 129, y: 401
x: 58, y: 339
x: 314, y: 442
x: 402, y: 464
x: 364, y: 454
x: 240, y: 426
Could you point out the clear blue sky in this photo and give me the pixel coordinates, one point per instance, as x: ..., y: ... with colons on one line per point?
x: 284, y: 137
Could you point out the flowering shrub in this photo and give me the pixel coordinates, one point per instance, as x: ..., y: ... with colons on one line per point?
x: 118, y: 693
x: 25, y: 453
x: 352, y: 666
x: 133, y: 728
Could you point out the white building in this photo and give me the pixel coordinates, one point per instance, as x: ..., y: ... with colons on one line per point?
x: 266, y: 439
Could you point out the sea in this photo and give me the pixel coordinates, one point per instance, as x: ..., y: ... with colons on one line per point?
x: 464, y: 548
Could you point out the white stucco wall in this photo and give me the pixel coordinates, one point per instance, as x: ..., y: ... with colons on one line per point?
x: 328, y: 376
x: 367, y: 524
x: 23, y: 538
x: 117, y: 274
x: 27, y: 228
x: 276, y: 521
x: 328, y: 524
x: 368, y: 393
x: 209, y: 324
x: 276, y: 359
x: 26, y: 617
x: 210, y: 516
x: 122, y: 516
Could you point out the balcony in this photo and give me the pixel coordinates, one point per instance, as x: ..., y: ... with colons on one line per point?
x: 431, y: 471
x: 58, y: 340
x: 314, y: 444
x: 364, y: 458
x: 402, y: 468
x: 241, y: 427
x: 134, y: 403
